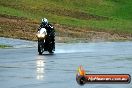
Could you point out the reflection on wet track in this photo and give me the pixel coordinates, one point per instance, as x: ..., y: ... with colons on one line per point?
x: 40, y: 67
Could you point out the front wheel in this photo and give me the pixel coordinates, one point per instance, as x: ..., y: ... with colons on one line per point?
x: 40, y: 49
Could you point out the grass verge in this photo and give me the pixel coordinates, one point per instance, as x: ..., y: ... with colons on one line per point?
x: 4, y: 46
x: 76, y: 19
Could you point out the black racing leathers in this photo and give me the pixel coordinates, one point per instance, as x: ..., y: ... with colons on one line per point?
x: 50, y: 32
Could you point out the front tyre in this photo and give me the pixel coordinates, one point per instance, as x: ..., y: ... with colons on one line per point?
x: 40, y: 49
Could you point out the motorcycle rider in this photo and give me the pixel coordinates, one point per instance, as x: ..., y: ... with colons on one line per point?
x: 50, y: 30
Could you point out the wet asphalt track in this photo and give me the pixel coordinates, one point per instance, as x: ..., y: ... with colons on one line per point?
x: 22, y: 67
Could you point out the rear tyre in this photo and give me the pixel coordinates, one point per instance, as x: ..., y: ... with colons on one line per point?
x: 51, y: 52
x: 51, y: 48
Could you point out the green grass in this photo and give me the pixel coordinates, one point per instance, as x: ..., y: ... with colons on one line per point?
x: 75, y: 13
x: 5, y: 46
x: 14, y: 12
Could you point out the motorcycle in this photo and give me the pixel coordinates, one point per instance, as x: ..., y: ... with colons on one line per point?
x: 45, y: 42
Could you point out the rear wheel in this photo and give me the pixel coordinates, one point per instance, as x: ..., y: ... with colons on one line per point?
x: 51, y: 48
x: 51, y: 52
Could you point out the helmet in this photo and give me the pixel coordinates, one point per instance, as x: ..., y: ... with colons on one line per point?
x: 45, y: 21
